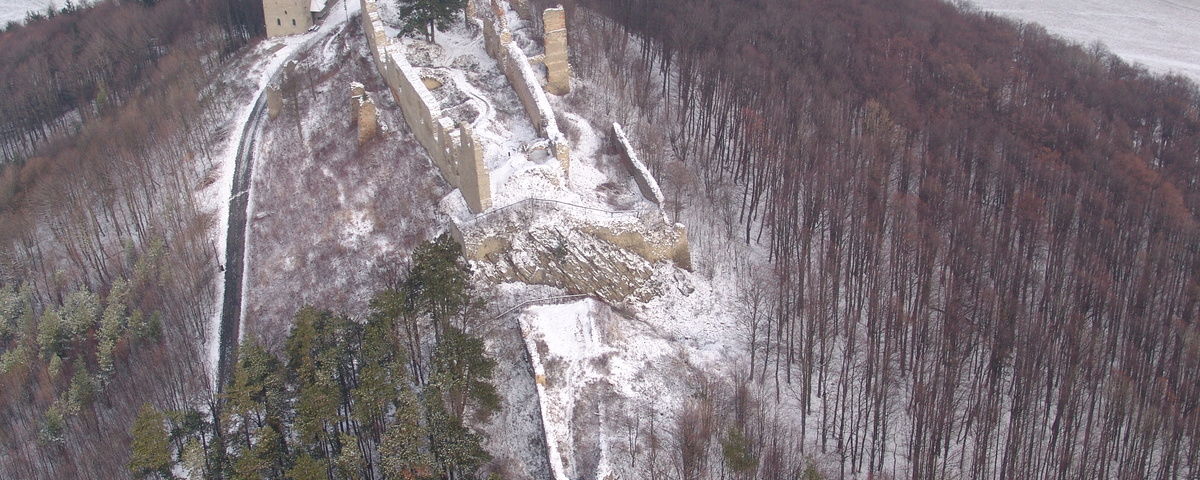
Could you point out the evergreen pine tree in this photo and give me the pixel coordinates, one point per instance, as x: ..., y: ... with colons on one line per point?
x: 738, y: 454
x: 53, y: 424
x: 50, y: 335
x: 441, y: 279
x: 82, y: 388
x: 150, y: 452
x: 463, y: 373
x: 458, y: 450
x: 307, y: 467
x: 401, y: 453
x: 350, y: 462
x: 426, y: 16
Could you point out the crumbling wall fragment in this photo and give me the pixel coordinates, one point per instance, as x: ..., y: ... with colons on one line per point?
x: 366, y: 118
x: 558, y: 68
x: 274, y: 101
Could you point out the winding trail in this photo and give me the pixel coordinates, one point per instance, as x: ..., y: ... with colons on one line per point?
x: 460, y: 80
x: 235, y: 240
x: 229, y: 323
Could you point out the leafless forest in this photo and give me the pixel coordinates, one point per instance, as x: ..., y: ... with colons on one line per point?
x: 108, y: 125
x: 983, y: 239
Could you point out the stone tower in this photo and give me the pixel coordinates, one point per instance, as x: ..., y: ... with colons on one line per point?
x: 287, y: 17
x: 558, y: 70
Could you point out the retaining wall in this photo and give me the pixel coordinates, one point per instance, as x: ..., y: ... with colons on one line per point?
x: 453, y: 149
x: 645, y: 233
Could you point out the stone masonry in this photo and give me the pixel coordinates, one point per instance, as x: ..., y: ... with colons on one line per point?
x: 453, y: 149
x: 286, y: 17
x: 366, y: 118
x: 558, y: 68
x: 498, y: 41
x: 274, y: 101
x: 578, y: 249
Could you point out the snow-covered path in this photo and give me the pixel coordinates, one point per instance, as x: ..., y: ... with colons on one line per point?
x: 1163, y: 35
x: 275, y: 52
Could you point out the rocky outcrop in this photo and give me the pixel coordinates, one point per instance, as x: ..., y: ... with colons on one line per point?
x: 579, y: 249
x: 570, y: 259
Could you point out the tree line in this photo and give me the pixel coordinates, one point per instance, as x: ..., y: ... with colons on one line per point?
x: 983, y: 239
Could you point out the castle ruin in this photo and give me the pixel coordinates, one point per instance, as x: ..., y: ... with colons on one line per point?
x: 579, y: 248
x: 289, y: 17
x: 366, y: 119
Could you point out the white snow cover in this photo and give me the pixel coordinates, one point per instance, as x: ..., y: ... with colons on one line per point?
x: 582, y: 351
x: 642, y: 171
x: 513, y: 151
x: 568, y: 331
x: 14, y: 10
x: 1160, y: 34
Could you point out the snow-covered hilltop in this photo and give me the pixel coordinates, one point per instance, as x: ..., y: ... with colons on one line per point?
x: 15, y: 10
x: 1160, y: 34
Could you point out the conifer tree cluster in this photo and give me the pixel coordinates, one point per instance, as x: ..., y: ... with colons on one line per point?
x: 73, y: 345
x: 382, y: 398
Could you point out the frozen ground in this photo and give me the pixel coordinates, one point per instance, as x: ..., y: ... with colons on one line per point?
x: 14, y: 10
x: 253, y: 74
x: 1163, y: 35
x: 331, y: 221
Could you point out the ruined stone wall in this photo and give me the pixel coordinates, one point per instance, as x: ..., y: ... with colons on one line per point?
x: 453, y: 149
x: 558, y: 68
x: 497, y: 39
x: 646, y: 183
x: 366, y: 118
x: 274, y: 101
x: 667, y: 243
x: 645, y: 233
x: 286, y: 17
